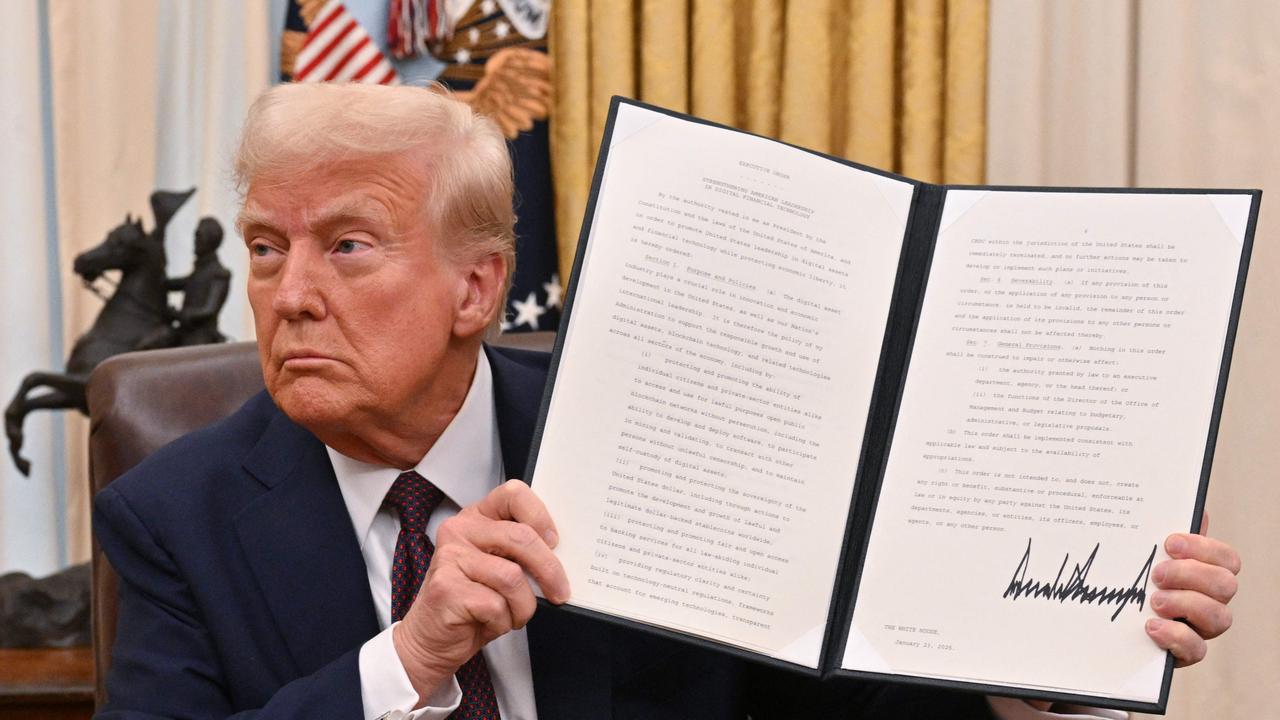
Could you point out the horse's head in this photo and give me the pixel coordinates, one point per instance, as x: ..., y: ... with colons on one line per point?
x: 126, y: 247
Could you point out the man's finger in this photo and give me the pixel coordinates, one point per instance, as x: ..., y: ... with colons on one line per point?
x: 1209, y: 617
x: 487, y: 609
x: 513, y: 500
x: 505, y: 578
x: 1205, y: 549
x: 1217, y: 582
x: 460, y: 602
x: 1187, y: 647
x: 515, y: 541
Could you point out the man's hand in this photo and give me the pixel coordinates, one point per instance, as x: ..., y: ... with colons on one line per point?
x: 475, y: 589
x: 1196, y: 584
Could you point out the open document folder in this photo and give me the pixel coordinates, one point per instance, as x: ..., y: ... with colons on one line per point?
x: 829, y: 417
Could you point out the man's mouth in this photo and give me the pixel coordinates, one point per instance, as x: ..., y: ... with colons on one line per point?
x: 302, y: 358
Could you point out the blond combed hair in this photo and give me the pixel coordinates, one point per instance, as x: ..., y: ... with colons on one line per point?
x: 469, y: 188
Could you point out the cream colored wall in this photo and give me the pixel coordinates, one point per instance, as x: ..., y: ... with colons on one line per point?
x: 1173, y: 93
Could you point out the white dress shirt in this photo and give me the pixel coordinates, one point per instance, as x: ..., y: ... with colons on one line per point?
x: 466, y: 464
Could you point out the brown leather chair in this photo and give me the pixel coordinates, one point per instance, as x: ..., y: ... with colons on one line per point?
x: 139, y: 402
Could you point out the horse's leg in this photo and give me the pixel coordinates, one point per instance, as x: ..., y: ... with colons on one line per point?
x: 53, y: 400
x: 73, y: 385
x: 17, y: 409
x: 70, y: 384
x: 72, y: 388
x: 67, y: 392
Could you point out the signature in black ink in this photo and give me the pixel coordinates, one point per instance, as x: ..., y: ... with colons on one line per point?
x: 1075, y: 589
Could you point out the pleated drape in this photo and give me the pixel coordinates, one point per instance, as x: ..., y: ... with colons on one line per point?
x: 31, y: 508
x: 146, y: 94
x: 896, y: 84
x: 1174, y: 94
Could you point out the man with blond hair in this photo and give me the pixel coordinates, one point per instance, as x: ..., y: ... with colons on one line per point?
x: 347, y: 544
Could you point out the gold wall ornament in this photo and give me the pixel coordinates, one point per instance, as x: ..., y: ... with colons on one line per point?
x: 514, y: 91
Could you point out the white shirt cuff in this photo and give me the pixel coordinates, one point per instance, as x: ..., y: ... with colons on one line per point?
x: 386, y: 691
x: 1015, y: 709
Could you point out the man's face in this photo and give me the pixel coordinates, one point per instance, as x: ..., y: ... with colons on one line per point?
x: 353, y: 299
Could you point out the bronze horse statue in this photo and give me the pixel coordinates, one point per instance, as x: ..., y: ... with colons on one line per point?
x: 137, y: 310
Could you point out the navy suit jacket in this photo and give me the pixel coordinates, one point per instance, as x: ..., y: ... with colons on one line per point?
x: 243, y: 593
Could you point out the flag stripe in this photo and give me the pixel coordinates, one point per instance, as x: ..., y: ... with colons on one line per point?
x: 368, y: 67
x: 366, y: 52
x: 330, y: 56
x: 341, y: 64
x: 338, y: 48
x: 324, y: 53
x: 317, y: 45
x: 339, y: 55
x: 331, y: 12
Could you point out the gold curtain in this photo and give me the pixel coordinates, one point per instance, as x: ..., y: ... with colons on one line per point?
x: 896, y: 84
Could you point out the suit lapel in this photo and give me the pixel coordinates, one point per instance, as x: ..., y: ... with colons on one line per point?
x: 571, y: 656
x: 302, y: 549
x: 517, y: 397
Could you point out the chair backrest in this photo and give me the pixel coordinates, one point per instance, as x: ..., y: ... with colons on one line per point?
x: 139, y: 402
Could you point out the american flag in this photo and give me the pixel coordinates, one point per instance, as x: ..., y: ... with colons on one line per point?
x: 338, y: 49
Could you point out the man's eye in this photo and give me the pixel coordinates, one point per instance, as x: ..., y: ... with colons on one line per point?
x: 346, y: 247
x: 260, y: 249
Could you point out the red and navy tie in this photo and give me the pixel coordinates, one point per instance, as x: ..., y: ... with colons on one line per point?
x: 415, y: 498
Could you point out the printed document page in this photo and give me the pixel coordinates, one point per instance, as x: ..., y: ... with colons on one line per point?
x: 1052, y: 432
x: 701, y: 444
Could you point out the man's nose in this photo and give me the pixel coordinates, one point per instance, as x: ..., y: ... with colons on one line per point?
x: 300, y: 292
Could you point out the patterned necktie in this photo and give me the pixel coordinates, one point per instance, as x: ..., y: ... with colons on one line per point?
x: 415, y: 498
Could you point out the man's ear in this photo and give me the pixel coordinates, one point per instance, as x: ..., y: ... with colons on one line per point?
x: 481, y: 295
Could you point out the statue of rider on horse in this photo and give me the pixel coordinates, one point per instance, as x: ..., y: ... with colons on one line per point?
x: 137, y: 316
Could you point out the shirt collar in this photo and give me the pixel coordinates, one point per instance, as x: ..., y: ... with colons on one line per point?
x: 465, y: 462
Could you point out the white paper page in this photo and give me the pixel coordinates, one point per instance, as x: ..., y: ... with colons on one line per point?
x: 1058, y: 402
x: 702, y: 440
